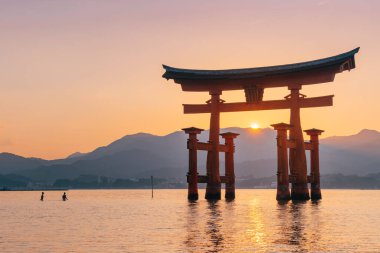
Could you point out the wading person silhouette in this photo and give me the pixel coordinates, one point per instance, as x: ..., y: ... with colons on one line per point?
x: 42, y: 196
x: 64, y: 197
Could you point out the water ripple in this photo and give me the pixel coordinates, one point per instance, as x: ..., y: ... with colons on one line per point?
x: 130, y: 221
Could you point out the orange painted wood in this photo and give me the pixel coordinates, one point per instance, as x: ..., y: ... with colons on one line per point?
x: 314, y: 163
x: 229, y: 164
x: 264, y: 105
x: 297, y: 155
x: 283, y: 193
x: 192, y: 174
x: 290, y: 144
x: 224, y: 148
x: 204, y: 146
x: 309, y: 146
x: 213, y: 188
x: 208, y: 147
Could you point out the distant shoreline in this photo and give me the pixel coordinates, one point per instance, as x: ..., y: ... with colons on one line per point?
x: 252, y: 188
x: 34, y: 189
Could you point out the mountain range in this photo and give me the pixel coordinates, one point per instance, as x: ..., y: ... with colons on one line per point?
x: 142, y: 155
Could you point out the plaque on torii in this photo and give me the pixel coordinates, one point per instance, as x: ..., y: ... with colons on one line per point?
x: 254, y: 81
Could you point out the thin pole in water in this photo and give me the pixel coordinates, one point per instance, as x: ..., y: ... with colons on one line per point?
x: 151, y: 180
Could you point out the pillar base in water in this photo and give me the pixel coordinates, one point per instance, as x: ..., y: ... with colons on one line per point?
x: 213, y: 196
x: 316, y: 196
x: 213, y: 192
x: 230, y: 195
x: 283, y: 193
x: 316, y: 193
x: 192, y: 196
x: 300, y: 192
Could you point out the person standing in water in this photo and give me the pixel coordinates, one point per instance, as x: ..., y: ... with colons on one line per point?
x: 42, y: 196
x: 64, y: 197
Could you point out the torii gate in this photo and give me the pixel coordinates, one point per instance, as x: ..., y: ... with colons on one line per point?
x: 253, y: 81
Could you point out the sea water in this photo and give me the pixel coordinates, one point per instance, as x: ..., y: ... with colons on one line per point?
x: 131, y: 221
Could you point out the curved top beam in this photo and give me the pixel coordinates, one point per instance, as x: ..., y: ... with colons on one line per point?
x: 310, y: 72
x: 174, y: 73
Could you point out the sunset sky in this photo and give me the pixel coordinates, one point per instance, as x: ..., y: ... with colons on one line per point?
x: 78, y: 74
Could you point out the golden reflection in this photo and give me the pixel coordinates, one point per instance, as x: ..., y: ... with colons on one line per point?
x: 230, y: 225
x: 255, y: 232
x: 253, y: 226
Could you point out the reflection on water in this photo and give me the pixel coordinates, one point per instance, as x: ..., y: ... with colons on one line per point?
x: 264, y: 225
x: 130, y: 221
x: 255, y: 232
x: 214, y: 226
x: 192, y: 226
x: 291, y: 233
x: 213, y: 240
x: 297, y: 223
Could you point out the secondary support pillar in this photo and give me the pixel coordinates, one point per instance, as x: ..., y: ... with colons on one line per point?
x: 192, y: 175
x: 229, y: 164
x: 315, y: 180
x: 283, y: 192
x: 213, y: 189
x: 297, y: 155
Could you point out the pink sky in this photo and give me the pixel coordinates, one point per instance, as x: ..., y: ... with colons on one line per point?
x: 75, y: 75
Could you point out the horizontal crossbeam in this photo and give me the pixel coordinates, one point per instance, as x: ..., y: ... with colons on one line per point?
x: 263, y: 105
x: 208, y: 147
x: 309, y: 146
x: 292, y: 144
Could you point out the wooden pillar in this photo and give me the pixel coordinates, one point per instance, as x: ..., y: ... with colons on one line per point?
x: 297, y: 155
x: 229, y: 164
x: 213, y: 189
x: 192, y: 174
x: 283, y: 192
x: 315, y: 181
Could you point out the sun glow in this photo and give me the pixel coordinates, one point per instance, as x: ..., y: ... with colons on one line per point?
x: 255, y: 125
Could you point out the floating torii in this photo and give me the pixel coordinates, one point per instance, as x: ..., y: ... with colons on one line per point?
x: 254, y: 81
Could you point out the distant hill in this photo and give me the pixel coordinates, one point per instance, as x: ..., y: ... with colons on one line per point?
x: 141, y: 155
x: 357, y: 154
x: 75, y: 155
x: 123, y: 164
x: 365, y: 142
x: 10, y: 163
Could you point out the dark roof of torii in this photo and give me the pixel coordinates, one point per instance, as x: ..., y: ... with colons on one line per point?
x: 177, y: 73
x: 311, y: 72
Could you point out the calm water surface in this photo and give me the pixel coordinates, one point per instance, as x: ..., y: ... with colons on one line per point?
x: 130, y: 221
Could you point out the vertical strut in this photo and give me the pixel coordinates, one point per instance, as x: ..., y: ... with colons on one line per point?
x: 315, y: 186
x: 229, y: 164
x: 213, y: 188
x: 282, y: 162
x: 192, y: 175
x: 297, y: 155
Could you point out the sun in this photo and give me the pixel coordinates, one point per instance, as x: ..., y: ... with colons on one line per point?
x: 255, y: 125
